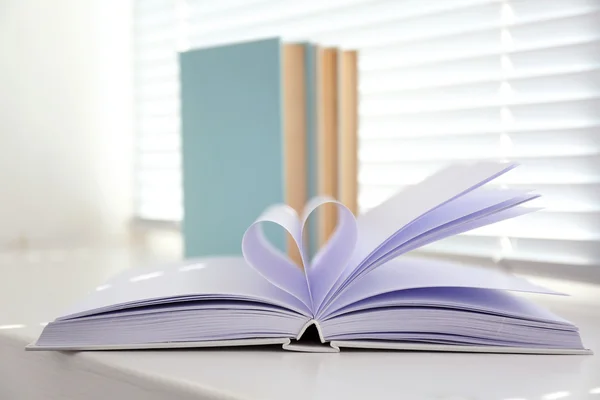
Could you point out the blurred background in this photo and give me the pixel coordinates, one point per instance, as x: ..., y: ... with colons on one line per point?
x: 90, y: 148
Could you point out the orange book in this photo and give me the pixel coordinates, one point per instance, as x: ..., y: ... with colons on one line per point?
x: 294, y: 133
x: 327, y: 137
x: 348, y: 131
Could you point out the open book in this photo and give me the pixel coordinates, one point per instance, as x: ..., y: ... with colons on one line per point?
x: 356, y: 291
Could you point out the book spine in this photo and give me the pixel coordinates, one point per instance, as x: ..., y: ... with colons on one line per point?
x: 348, y: 138
x: 294, y: 134
x: 327, y: 137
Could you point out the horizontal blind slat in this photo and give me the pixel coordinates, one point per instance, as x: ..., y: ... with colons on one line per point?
x: 541, y: 250
x: 518, y: 38
x: 253, y: 16
x: 584, y: 226
x: 508, y: 92
x: 575, y: 142
x: 484, y: 17
x: 546, y: 61
x: 144, y: 7
x: 573, y: 170
x: 554, y: 115
x: 555, y: 197
x: 304, y: 21
x: 202, y: 9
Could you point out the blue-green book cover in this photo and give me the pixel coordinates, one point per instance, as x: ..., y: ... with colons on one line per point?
x: 232, y: 143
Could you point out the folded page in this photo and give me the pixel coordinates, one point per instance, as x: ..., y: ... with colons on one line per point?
x: 377, y: 226
x: 271, y: 263
x: 495, y: 213
x: 330, y: 261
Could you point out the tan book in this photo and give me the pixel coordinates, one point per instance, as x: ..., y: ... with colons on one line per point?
x: 294, y: 132
x: 348, y: 130
x: 327, y: 137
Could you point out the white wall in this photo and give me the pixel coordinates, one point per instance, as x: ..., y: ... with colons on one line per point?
x: 66, y: 137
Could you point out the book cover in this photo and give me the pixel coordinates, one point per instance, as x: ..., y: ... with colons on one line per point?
x: 249, y: 130
x: 232, y: 142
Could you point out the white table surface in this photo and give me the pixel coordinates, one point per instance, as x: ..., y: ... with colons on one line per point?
x: 36, y: 288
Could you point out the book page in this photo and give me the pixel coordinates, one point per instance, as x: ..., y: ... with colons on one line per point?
x: 499, y: 302
x: 378, y: 225
x: 414, y: 272
x: 456, y: 216
x: 476, y: 201
x: 463, y: 225
x: 209, y: 278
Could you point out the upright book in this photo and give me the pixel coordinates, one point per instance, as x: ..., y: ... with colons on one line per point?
x: 358, y: 291
x: 244, y: 132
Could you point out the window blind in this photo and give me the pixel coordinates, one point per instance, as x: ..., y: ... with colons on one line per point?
x: 440, y: 82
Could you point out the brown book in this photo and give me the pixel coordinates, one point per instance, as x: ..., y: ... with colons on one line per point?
x: 327, y: 137
x: 348, y: 131
x: 294, y: 133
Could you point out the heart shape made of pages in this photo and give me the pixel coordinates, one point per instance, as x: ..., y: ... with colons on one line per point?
x: 312, y: 283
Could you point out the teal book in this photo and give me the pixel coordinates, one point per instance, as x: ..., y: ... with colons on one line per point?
x: 311, y: 83
x: 244, y: 139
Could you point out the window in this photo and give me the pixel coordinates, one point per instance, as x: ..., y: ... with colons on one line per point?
x: 440, y: 81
